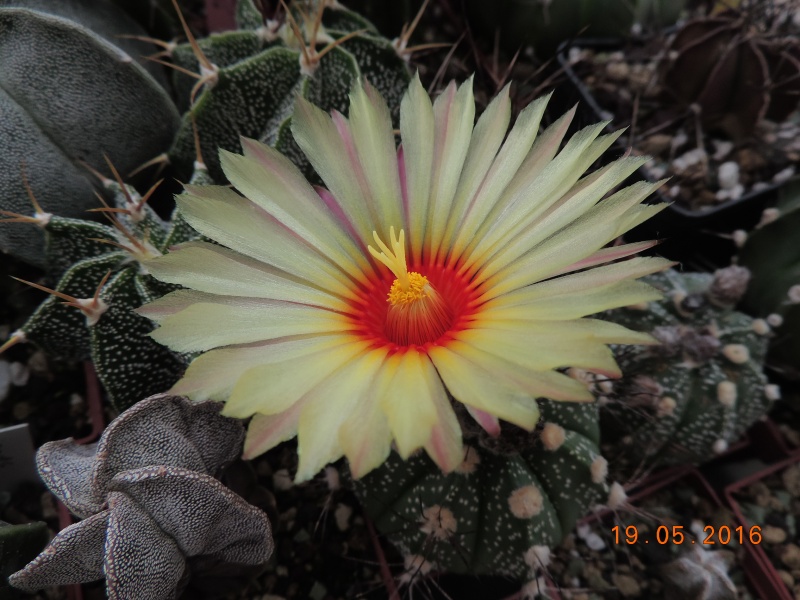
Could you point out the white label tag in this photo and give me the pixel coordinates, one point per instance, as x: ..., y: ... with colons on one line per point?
x: 17, y: 458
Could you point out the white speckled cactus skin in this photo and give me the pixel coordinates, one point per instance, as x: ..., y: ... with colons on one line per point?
x: 155, y: 517
x: 688, y: 399
x: 71, y: 90
x: 129, y: 364
x: 492, y: 514
x: 258, y: 71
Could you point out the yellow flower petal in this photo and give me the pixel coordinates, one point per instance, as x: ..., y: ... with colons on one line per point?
x: 408, y: 401
x: 472, y: 384
x: 212, y: 375
x: 272, y: 387
x: 227, y: 218
x: 228, y: 320
x: 327, y: 407
x: 214, y: 269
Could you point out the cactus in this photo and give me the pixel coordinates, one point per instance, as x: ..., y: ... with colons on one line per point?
x: 511, y: 499
x: 773, y: 255
x: 100, y: 273
x: 18, y: 545
x: 686, y: 400
x: 736, y: 68
x: 153, y: 514
x: 71, y: 94
x: 245, y: 81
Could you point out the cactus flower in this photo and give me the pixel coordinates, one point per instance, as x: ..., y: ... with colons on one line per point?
x: 457, y: 267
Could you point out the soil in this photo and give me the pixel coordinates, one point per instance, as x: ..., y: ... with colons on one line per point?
x: 774, y: 503
x: 706, y: 168
x: 599, y: 562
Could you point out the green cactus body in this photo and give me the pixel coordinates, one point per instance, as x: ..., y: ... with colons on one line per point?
x: 773, y: 255
x: 257, y: 72
x: 494, y: 512
x: 18, y: 545
x: 687, y: 399
x: 69, y: 95
x: 107, y: 331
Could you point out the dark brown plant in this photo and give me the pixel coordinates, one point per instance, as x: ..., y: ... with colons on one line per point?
x: 736, y: 68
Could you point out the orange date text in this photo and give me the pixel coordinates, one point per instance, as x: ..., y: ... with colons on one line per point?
x: 663, y: 535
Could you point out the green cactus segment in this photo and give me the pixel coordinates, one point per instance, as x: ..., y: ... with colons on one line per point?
x: 19, y: 544
x: 69, y: 95
x: 484, y: 517
x: 259, y: 75
x: 773, y: 256
x: 61, y: 330
x: 240, y: 104
x: 248, y: 16
x: 68, y: 241
x: 688, y: 399
x: 129, y: 364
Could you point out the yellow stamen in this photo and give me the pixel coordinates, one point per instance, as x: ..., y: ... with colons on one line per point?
x: 408, y: 287
x: 417, y: 289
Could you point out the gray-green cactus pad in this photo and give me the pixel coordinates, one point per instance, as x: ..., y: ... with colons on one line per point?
x: 68, y: 95
x: 161, y: 430
x: 159, y: 520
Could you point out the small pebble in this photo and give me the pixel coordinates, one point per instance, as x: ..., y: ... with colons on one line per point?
x: 281, y: 480
x: 791, y: 556
x: 783, y: 175
x: 19, y: 374
x: 728, y: 175
x: 37, y: 363
x: 773, y: 535
x: 627, y: 585
x: 722, y: 148
x: 791, y: 480
x: 689, y: 159
x: 342, y: 515
x: 786, y: 577
x: 21, y: 411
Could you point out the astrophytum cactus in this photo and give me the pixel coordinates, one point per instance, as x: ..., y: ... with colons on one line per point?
x: 510, y: 500
x: 154, y: 517
x: 70, y: 92
x: 244, y: 83
x: 687, y: 399
x: 101, y: 279
x: 772, y: 254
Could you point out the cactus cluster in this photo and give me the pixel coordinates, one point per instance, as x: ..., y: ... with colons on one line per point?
x: 512, y: 498
x: 102, y: 278
x: 71, y: 90
x: 244, y: 82
x: 687, y: 399
x: 155, y: 518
